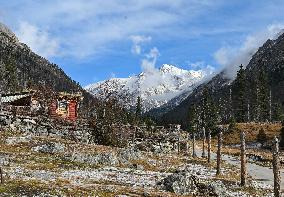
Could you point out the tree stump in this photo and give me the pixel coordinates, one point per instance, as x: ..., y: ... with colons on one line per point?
x: 219, y: 154
x: 276, y: 171
x: 204, y: 141
x: 243, y: 159
x: 209, y: 147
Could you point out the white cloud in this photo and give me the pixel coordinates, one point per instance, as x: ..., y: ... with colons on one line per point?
x: 39, y: 41
x: 232, y: 57
x: 201, y: 66
x: 87, y: 28
x: 112, y: 75
x: 138, y: 40
x: 149, y: 62
x: 196, y: 65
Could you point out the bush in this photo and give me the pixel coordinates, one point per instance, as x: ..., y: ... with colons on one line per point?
x: 281, y: 144
x: 232, y: 124
x: 109, y: 136
x: 261, y: 136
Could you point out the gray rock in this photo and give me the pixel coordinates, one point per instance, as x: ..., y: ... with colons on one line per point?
x: 183, y: 183
x: 138, y: 167
x: 50, y: 147
x: 17, y: 140
x: 107, y: 159
x: 180, y: 183
x: 128, y: 154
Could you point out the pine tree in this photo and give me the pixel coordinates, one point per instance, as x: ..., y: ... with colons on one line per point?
x: 239, y: 94
x: 138, y: 109
x: 208, y: 111
x: 277, y: 112
x: 193, y: 118
x: 263, y: 96
x: 11, y: 75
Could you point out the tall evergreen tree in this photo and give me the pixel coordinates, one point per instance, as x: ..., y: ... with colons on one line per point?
x: 208, y: 111
x: 193, y: 118
x: 11, y: 75
x: 263, y: 96
x: 239, y: 96
x: 277, y: 112
x: 138, y: 108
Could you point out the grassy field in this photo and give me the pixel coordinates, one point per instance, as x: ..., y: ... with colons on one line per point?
x: 251, y: 130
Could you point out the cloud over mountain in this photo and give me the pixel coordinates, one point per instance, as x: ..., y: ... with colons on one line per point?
x: 232, y: 57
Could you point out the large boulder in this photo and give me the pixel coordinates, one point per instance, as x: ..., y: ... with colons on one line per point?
x: 184, y: 183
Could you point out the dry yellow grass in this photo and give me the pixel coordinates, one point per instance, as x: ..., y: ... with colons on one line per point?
x: 251, y: 130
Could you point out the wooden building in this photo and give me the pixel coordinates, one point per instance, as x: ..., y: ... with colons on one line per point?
x: 23, y: 103
x: 65, y: 106
x: 17, y: 99
x: 62, y: 105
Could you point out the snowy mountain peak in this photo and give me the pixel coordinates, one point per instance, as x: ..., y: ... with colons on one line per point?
x: 166, y: 68
x: 155, y: 87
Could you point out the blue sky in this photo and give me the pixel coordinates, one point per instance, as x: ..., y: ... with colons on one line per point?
x: 93, y: 40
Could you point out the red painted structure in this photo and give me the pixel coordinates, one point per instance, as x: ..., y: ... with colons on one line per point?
x: 72, y: 110
x: 65, y: 107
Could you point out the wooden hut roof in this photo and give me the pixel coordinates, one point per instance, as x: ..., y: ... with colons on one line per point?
x: 12, y: 97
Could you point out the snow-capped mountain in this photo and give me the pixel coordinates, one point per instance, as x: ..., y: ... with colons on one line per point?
x: 156, y: 87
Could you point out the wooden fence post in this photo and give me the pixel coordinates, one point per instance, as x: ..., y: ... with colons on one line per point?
x: 187, y: 146
x: 243, y: 159
x: 219, y: 154
x: 204, y: 141
x: 134, y: 134
x: 1, y: 176
x: 193, y: 145
x: 178, y: 145
x: 276, y: 171
x: 209, y: 147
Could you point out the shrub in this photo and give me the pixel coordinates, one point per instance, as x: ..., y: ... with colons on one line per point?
x: 261, y: 136
x: 232, y: 124
x: 281, y: 144
x: 109, y: 136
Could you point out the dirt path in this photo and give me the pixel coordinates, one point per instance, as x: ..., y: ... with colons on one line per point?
x: 260, y: 173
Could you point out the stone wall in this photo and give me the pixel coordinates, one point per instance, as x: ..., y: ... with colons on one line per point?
x: 41, y: 125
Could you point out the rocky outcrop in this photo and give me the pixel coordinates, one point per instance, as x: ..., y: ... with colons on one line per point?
x: 51, y: 148
x: 184, y: 182
x: 43, y: 126
x: 122, y: 156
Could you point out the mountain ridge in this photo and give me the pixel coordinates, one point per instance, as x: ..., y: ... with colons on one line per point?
x: 269, y: 58
x: 155, y: 86
x: 21, y: 67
